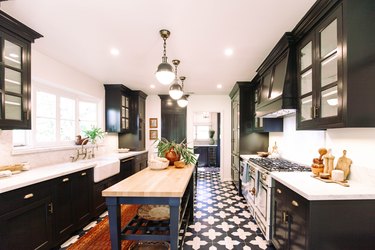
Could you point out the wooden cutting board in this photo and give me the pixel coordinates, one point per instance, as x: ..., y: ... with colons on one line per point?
x: 342, y: 183
x: 343, y: 163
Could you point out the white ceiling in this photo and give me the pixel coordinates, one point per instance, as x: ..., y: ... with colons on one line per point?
x: 80, y: 33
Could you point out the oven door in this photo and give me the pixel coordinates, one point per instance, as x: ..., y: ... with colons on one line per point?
x: 249, y: 186
x: 261, y: 200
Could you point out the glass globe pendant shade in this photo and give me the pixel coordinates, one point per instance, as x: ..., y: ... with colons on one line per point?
x: 175, y: 91
x: 165, y: 74
x: 183, y: 102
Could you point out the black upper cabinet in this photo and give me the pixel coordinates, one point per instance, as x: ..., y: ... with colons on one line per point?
x: 117, y: 108
x: 336, y: 67
x: 139, y: 113
x: 15, y: 73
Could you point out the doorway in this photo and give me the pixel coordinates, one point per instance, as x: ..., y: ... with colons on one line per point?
x: 207, y: 141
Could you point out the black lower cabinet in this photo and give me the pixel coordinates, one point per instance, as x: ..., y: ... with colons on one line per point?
x: 321, y: 224
x: 82, y: 197
x: 26, y: 218
x: 140, y: 162
x: 44, y: 215
x: 64, y: 207
x: 126, y: 168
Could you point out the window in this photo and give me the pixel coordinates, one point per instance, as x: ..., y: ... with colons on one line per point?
x: 58, y: 116
x: 201, y: 132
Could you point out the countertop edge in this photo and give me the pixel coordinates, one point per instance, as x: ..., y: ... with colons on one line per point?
x: 327, y: 196
x: 64, y: 171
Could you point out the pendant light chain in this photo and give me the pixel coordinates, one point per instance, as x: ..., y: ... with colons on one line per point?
x: 164, y: 49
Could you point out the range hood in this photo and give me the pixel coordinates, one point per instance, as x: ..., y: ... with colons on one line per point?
x: 276, y: 76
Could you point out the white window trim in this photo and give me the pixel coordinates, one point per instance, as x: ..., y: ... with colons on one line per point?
x: 59, y: 91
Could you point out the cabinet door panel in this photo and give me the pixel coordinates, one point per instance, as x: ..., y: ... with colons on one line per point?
x: 64, y: 207
x: 280, y: 227
x: 28, y: 227
x: 82, y: 199
x: 297, y: 221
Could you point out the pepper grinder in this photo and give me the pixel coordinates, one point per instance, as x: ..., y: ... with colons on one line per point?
x: 329, y: 159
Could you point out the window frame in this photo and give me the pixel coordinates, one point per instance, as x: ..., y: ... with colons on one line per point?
x: 59, y: 92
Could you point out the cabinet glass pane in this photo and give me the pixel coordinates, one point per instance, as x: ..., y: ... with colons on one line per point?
x: 329, y: 105
x: 123, y: 123
x: 306, y: 82
x: 12, y: 54
x: 265, y: 87
x: 13, y: 107
x: 122, y: 100
x: 12, y: 81
x: 261, y: 122
x: 123, y: 112
x: 329, y: 70
x: 279, y: 79
x: 328, y: 39
x: 306, y: 56
x: 306, y: 105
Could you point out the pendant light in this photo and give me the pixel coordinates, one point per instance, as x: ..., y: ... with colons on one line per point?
x: 164, y: 73
x: 175, y: 90
x: 183, y: 101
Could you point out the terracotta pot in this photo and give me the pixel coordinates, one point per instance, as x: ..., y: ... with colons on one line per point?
x: 172, y: 156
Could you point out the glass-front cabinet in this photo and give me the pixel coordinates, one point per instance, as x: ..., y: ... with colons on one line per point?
x: 15, y: 75
x: 320, y: 75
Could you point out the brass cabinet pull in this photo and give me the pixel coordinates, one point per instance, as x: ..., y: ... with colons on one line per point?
x: 294, y: 203
x: 253, y: 191
x: 65, y: 179
x: 83, y: 174
x: 278, y: 191
x: 28, y: 196
x: 50, y: 208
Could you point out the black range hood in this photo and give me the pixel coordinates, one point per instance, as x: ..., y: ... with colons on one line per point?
x: 276, y: 76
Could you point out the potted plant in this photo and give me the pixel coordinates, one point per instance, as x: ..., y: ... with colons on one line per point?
x: 173, y: 151
x: 93, y: 134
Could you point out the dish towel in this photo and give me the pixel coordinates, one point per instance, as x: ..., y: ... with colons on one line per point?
x: 245, y: 174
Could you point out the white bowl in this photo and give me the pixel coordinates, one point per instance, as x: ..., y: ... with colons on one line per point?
x: 158, y: 163
x: 123, y: 150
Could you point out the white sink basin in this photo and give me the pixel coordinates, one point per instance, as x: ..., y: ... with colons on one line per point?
x: 105, y: 168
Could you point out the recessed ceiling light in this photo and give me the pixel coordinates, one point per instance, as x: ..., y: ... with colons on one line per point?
x: 219, y: 86
x: 228, y: 51
x: 115, y: 52
x: 152, y: 86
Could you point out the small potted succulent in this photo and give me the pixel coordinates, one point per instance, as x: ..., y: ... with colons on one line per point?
x: 174, y: 151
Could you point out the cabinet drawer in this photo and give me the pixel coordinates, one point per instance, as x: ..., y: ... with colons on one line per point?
x: 24, y: 196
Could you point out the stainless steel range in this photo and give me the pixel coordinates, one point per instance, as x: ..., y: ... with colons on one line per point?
x: 257, y: 187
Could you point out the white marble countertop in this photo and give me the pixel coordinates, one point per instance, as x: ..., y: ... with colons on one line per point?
x: 313, y: 189
x: 40, y: 174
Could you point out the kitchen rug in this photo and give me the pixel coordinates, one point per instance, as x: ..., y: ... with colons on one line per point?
x: 98, y: 237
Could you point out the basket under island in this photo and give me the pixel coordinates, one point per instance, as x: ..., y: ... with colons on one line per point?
x: 171, y: 186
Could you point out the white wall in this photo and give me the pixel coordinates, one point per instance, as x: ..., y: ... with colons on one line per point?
x: 153, y: 110
x: 49, y: 71
x: 302, y: 146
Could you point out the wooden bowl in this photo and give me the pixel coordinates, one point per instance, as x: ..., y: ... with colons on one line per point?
x: 324, y: 175
x: 179, y: 164
x: 263, y: 154
x: 316, y: 169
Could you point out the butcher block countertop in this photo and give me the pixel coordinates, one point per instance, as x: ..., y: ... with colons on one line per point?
x: 170, y: 182
x: 313, y: 189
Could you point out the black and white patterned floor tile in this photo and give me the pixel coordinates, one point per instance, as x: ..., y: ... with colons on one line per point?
x: 221, y: 218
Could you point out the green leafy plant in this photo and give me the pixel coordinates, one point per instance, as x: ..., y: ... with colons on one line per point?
x: 186, y: 153
x: 94, y: 133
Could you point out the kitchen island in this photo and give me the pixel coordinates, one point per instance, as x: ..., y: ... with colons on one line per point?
x: 172, y: 186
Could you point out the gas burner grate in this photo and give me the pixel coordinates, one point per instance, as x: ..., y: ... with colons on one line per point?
x: 278, y: 164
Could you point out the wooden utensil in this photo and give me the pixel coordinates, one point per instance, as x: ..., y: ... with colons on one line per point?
x: 343, y: 163
x: 322, y: 151
x: 342, y: 183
